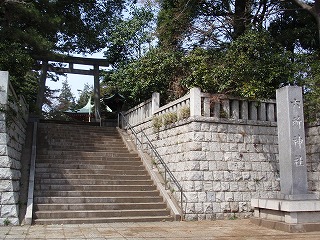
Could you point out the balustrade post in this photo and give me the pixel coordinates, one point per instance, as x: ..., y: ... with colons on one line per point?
x: 225, y: 108
x: 155, y: 103
x: 206, y: 107
x: 253, y: 111
x: 235, y: 114
x: 262, y: 112
x: 245, y: 110
x: 4, y: 87
x: 271, y: 112
x: 195, y: 102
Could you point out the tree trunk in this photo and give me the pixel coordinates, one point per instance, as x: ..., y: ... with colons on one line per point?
x: 317, y: 16
x: 239, y: 20
x: 313, y: 10
x: 42, y: 86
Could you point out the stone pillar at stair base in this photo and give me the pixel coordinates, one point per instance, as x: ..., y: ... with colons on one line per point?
x: 295, y: 209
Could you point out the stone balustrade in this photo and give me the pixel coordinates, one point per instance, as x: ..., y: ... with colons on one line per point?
x: 214, y: 106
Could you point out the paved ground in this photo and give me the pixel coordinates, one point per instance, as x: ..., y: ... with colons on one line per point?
x: 216, y: 230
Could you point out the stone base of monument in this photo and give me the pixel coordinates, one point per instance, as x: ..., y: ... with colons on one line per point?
x: 287, y: 215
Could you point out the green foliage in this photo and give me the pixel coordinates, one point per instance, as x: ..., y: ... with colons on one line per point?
x: 131, y: 37
x: 312, y: 88
x: 200, y: 65
x: 18, y: 62
x: 84, y: 96
x: 174, y: 21
x: 294, y: 28
x: 257, y: 66
x: 6, y: 222
x: 155, y: 72
x: 157, y: 123
x: 66, y: 98
x: 169, y: 118
x: 29, y: 29
x: 253, y: 66
x: 184, y: 112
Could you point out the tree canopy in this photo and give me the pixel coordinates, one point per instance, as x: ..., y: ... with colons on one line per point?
x: 238, y: 47
x: 29, y: 29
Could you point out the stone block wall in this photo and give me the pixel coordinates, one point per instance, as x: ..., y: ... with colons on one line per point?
x: 224, y: 154
x: 313, y: 156
x: 221, y: 165
x: 13, y: 123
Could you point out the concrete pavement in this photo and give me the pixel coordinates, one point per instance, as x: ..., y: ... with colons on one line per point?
x: 216, y: 230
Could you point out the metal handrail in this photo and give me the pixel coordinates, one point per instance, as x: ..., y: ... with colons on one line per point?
x: 166, y: 168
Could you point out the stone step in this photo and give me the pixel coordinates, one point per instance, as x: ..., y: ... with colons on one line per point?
x: 89, y: 165
x: 99, y: 142
x: 76, y: 136
x: 77, y: 150
x: 74, y: 141
x: 99, y: 206
x: 76, y: 129
x: 91, y: 199
x: 83, y: 154
x: 103, y: 220
x: 61, y: 136
x: 41, y: 193
x: 90, y: 139
x: 94, y: 187
x: 41, y: 167
x: 54, y: 128
x: 86, y: 174
x: 124, y: 170
x: 102, y: 181
x: 92, y: 176
x: 107, y: 162
x: 83, y: 147
x: 93, y: 140
x: 101, y: 213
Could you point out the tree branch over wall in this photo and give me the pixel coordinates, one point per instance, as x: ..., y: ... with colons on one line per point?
x: 314, y: 10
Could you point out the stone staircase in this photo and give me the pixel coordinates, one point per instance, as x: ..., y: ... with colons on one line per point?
x: 85, y: 174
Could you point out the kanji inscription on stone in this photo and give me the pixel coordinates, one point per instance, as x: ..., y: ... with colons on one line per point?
x: 291, y: 139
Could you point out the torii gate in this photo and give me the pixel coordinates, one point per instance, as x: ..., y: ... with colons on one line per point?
x: 96, y: 63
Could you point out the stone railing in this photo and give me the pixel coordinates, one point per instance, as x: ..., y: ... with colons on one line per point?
x: 221, y: 106
x: 196, y: 103
x: 13, y: 123
x: 139, y: 113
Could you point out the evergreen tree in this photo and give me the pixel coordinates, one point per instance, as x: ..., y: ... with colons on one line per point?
x: 84, y: 96
x: 29, y: 29
x: 66, y: 100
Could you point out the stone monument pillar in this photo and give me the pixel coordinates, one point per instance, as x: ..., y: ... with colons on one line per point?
x: 294, y: 209
x: 291, y: 140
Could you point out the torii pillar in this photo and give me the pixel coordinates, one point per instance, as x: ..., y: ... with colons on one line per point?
x: 42, y: 86
x: 96, y: 90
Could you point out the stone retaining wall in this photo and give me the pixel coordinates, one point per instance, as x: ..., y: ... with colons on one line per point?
x: 13, y: 123
x: 221, y: 165
x: 222, y: 162
x: 313, y: 156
